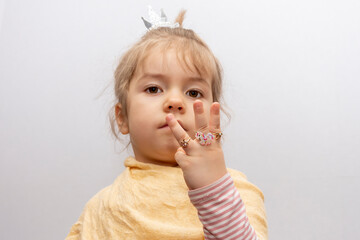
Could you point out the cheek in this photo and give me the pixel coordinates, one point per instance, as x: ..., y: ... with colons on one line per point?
x: 140, y: 113
x: 136, y: 118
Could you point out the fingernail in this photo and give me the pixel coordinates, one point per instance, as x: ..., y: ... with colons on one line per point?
x: 169, y: 117
x: 197, y: 105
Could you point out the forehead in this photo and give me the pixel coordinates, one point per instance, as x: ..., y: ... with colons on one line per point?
x: 191, y: 59
x: 169, y: 62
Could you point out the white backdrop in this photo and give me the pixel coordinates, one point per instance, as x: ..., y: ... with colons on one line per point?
x: 292, y: 71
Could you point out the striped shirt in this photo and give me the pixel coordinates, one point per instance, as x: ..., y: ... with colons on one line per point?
x: 222, y: 211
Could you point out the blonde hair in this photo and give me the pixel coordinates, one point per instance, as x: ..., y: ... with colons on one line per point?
x: 189, y: 47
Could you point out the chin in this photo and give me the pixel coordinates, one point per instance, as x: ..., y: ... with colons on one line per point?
x: 167, y: 154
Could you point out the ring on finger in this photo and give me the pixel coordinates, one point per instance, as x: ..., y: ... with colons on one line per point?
x: 185, y: 142
x: 204, y: 139
x: 217, y: 135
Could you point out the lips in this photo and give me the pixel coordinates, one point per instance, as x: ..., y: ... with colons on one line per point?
x: 166, y: 125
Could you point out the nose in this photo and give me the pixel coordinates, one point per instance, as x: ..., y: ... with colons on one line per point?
x: 174, y: 103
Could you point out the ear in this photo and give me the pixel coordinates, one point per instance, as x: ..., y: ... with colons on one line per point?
x: 121, y: 120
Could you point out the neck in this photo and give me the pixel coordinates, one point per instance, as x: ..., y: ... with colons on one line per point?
x: 169, y: 162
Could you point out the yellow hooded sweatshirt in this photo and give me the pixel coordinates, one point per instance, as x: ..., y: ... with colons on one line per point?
x: 149, y: 201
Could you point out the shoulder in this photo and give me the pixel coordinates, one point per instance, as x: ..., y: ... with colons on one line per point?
x: 102, y: 197
x: 87, y: 223
x: 96, y: 199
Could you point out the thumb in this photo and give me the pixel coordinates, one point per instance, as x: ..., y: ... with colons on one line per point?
x: 180, y: 156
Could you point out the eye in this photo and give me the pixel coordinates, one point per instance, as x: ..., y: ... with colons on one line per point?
x: 153, y: 89
x: 194, y: 94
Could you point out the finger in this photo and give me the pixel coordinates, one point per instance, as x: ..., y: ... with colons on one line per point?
x: 201, y: 122
x: 214, y: 123
x: 178, y: 132
x: 180, y: 156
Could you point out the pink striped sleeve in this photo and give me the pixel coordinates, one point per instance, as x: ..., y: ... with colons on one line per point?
x: 222, y: 211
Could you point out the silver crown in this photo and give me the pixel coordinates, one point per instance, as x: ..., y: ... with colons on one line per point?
x: 157, y: 21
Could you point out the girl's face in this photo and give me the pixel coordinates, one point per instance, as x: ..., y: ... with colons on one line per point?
x: 162, y: 86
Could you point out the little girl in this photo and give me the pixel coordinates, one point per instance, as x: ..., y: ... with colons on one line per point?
x: 177, y: 186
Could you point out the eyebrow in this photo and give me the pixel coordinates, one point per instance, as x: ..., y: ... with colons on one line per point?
x: 163, y: 77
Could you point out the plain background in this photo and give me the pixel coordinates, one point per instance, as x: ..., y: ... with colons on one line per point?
x: 292, y: 71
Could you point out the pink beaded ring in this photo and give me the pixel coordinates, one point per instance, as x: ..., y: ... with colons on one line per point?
x: 205, y: 139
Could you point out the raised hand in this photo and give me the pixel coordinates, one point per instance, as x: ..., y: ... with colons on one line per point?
x: 201, y: 164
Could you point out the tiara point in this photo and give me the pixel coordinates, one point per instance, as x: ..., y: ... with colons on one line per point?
x: 148, y: 25
x: 156, y: 21
x: 163, y: 15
